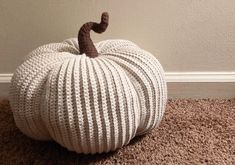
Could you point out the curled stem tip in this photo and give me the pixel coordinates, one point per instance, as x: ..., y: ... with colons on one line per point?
x: 84, y: 40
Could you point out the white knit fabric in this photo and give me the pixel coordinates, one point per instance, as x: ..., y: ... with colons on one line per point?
x: 88, y: 105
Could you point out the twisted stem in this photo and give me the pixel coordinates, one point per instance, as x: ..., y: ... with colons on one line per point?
x: 84, y: 40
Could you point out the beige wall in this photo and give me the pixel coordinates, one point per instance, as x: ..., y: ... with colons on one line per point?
x: 185, y: 35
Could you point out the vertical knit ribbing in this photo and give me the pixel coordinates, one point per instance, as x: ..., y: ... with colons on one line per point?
x: 88, y: 105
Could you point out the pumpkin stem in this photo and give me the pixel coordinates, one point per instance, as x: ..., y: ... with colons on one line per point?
x: 84, y: 40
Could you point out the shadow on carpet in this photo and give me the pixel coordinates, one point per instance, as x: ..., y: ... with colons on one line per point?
x: 192, y: 132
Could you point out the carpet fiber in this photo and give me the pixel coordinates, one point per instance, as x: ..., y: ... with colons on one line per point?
x: 192, y: 132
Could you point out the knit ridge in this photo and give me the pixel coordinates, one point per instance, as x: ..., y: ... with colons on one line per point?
x: 88, y: 105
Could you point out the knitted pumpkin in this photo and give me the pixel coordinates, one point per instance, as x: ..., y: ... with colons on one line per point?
x: 90, y: 98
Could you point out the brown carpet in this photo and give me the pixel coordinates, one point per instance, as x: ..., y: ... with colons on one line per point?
x: 192, y: 132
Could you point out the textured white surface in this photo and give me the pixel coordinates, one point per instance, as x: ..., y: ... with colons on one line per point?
x: 88, y: 105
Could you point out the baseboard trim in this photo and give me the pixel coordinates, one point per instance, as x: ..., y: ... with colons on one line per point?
x: 180, y: 84
x: 5, y: 77
x: 175, y: 77
x: 213, y: 77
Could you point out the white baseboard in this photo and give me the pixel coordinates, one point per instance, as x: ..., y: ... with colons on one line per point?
x: 214, y: 77
x: 5, y: 77
x: 180, y: 84
x: 182, y: 77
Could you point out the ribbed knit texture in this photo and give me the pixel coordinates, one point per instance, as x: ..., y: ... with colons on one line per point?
x: 88, y: 105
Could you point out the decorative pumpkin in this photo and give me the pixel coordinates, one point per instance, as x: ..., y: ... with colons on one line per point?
x: 88, y: 98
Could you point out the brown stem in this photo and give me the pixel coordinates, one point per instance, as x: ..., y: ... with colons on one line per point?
x: 84, y: 40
